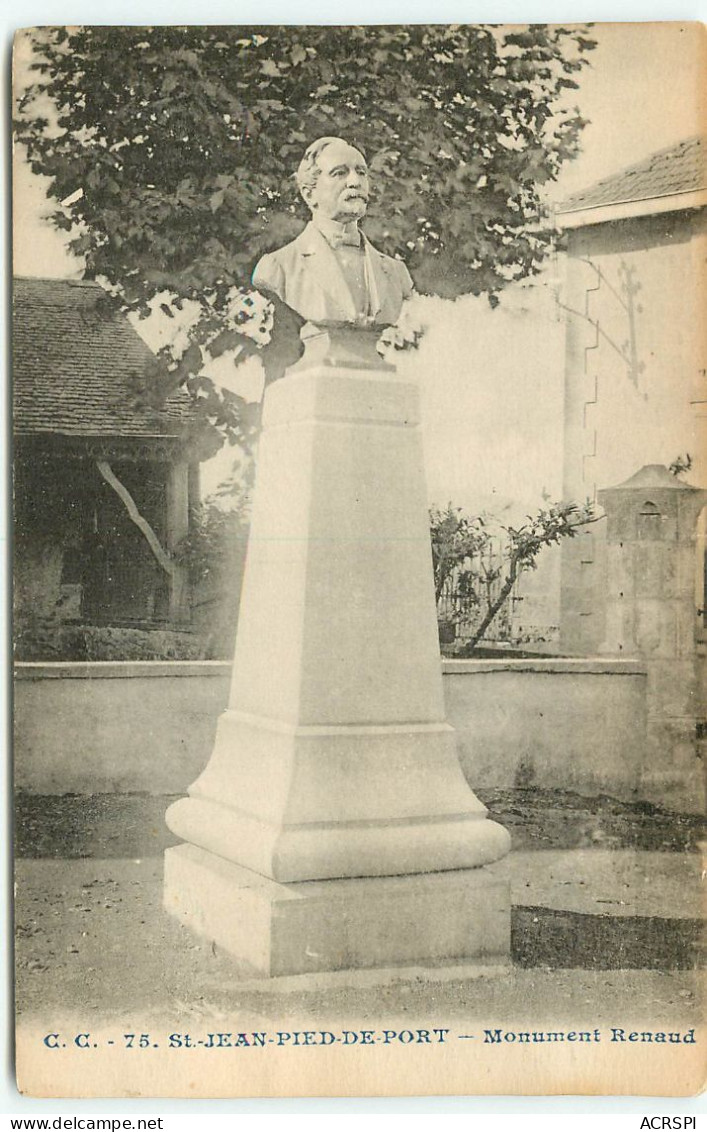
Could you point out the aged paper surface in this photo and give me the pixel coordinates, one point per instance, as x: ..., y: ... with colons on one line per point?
x: 583, y: 730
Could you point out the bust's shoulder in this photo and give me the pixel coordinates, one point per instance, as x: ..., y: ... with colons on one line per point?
x: 286, y: 252
x: 388, y: 260
x: 392, y: 262
x: 272, y: 268
x: 301, y: 242
x: 396, y: 268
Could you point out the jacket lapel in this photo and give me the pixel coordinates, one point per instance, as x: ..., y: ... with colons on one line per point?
x: 323, y: 265
x: 377, y: 278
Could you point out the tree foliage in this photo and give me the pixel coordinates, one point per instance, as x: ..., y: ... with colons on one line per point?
x: 170, y: 153
x: 680, y: 465
x: 214, y: 553
x: 461, y: 545
x: 456, y: 539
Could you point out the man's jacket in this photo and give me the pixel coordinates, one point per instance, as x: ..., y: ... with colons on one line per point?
x: 307, y: 276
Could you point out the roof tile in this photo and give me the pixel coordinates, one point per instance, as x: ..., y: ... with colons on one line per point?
x: 679, y: 168
x: 75, y: 367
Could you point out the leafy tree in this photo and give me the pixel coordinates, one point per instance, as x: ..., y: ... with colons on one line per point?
x: 170, y: 152
x: 455, y: 538
x: 460, y: 545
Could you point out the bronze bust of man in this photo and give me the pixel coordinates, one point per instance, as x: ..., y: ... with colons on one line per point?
x: 331, y: 273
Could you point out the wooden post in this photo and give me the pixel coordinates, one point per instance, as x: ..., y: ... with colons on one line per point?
x: 177, y: 527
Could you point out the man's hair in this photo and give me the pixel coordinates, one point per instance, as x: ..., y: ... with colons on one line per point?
x: 308, y: 169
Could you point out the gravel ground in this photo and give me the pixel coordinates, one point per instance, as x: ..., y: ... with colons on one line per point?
x: 124, y: 825
x: 94, y: 935
x: 91, y: 931
x: 554, y: 819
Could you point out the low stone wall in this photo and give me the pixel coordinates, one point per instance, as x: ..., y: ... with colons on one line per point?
x: 130, y: 726
x: 148, y: 726
x: 563, y: 724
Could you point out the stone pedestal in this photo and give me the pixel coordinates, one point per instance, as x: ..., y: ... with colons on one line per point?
x: 334, y: 925
x: 334, y: 759
x: 651, y: 613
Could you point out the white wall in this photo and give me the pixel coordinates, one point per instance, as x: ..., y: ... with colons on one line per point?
x: 149, y: 726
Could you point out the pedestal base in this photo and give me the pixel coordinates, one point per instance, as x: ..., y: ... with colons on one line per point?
x: 333, y: 925
x: 322, y: 803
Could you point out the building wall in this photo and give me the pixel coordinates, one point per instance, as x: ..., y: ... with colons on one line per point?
x: 635, y: 379
x: 149, y: 726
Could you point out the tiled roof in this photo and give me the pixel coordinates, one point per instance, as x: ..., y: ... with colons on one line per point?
x: 680, y: 168
x: 654, y: 476
x: 75, y: 367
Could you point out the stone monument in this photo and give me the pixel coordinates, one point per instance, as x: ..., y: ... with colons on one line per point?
x: 332, y: 827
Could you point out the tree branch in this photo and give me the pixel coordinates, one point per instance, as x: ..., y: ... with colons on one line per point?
x: 163, y: 558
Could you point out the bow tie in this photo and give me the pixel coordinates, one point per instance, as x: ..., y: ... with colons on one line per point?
x: 345, y: 239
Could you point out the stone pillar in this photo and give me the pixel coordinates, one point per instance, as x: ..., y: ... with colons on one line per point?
x: 332, y: 827
x: 177, y: 527
x: 581, y: 593
x: 651, y: 614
